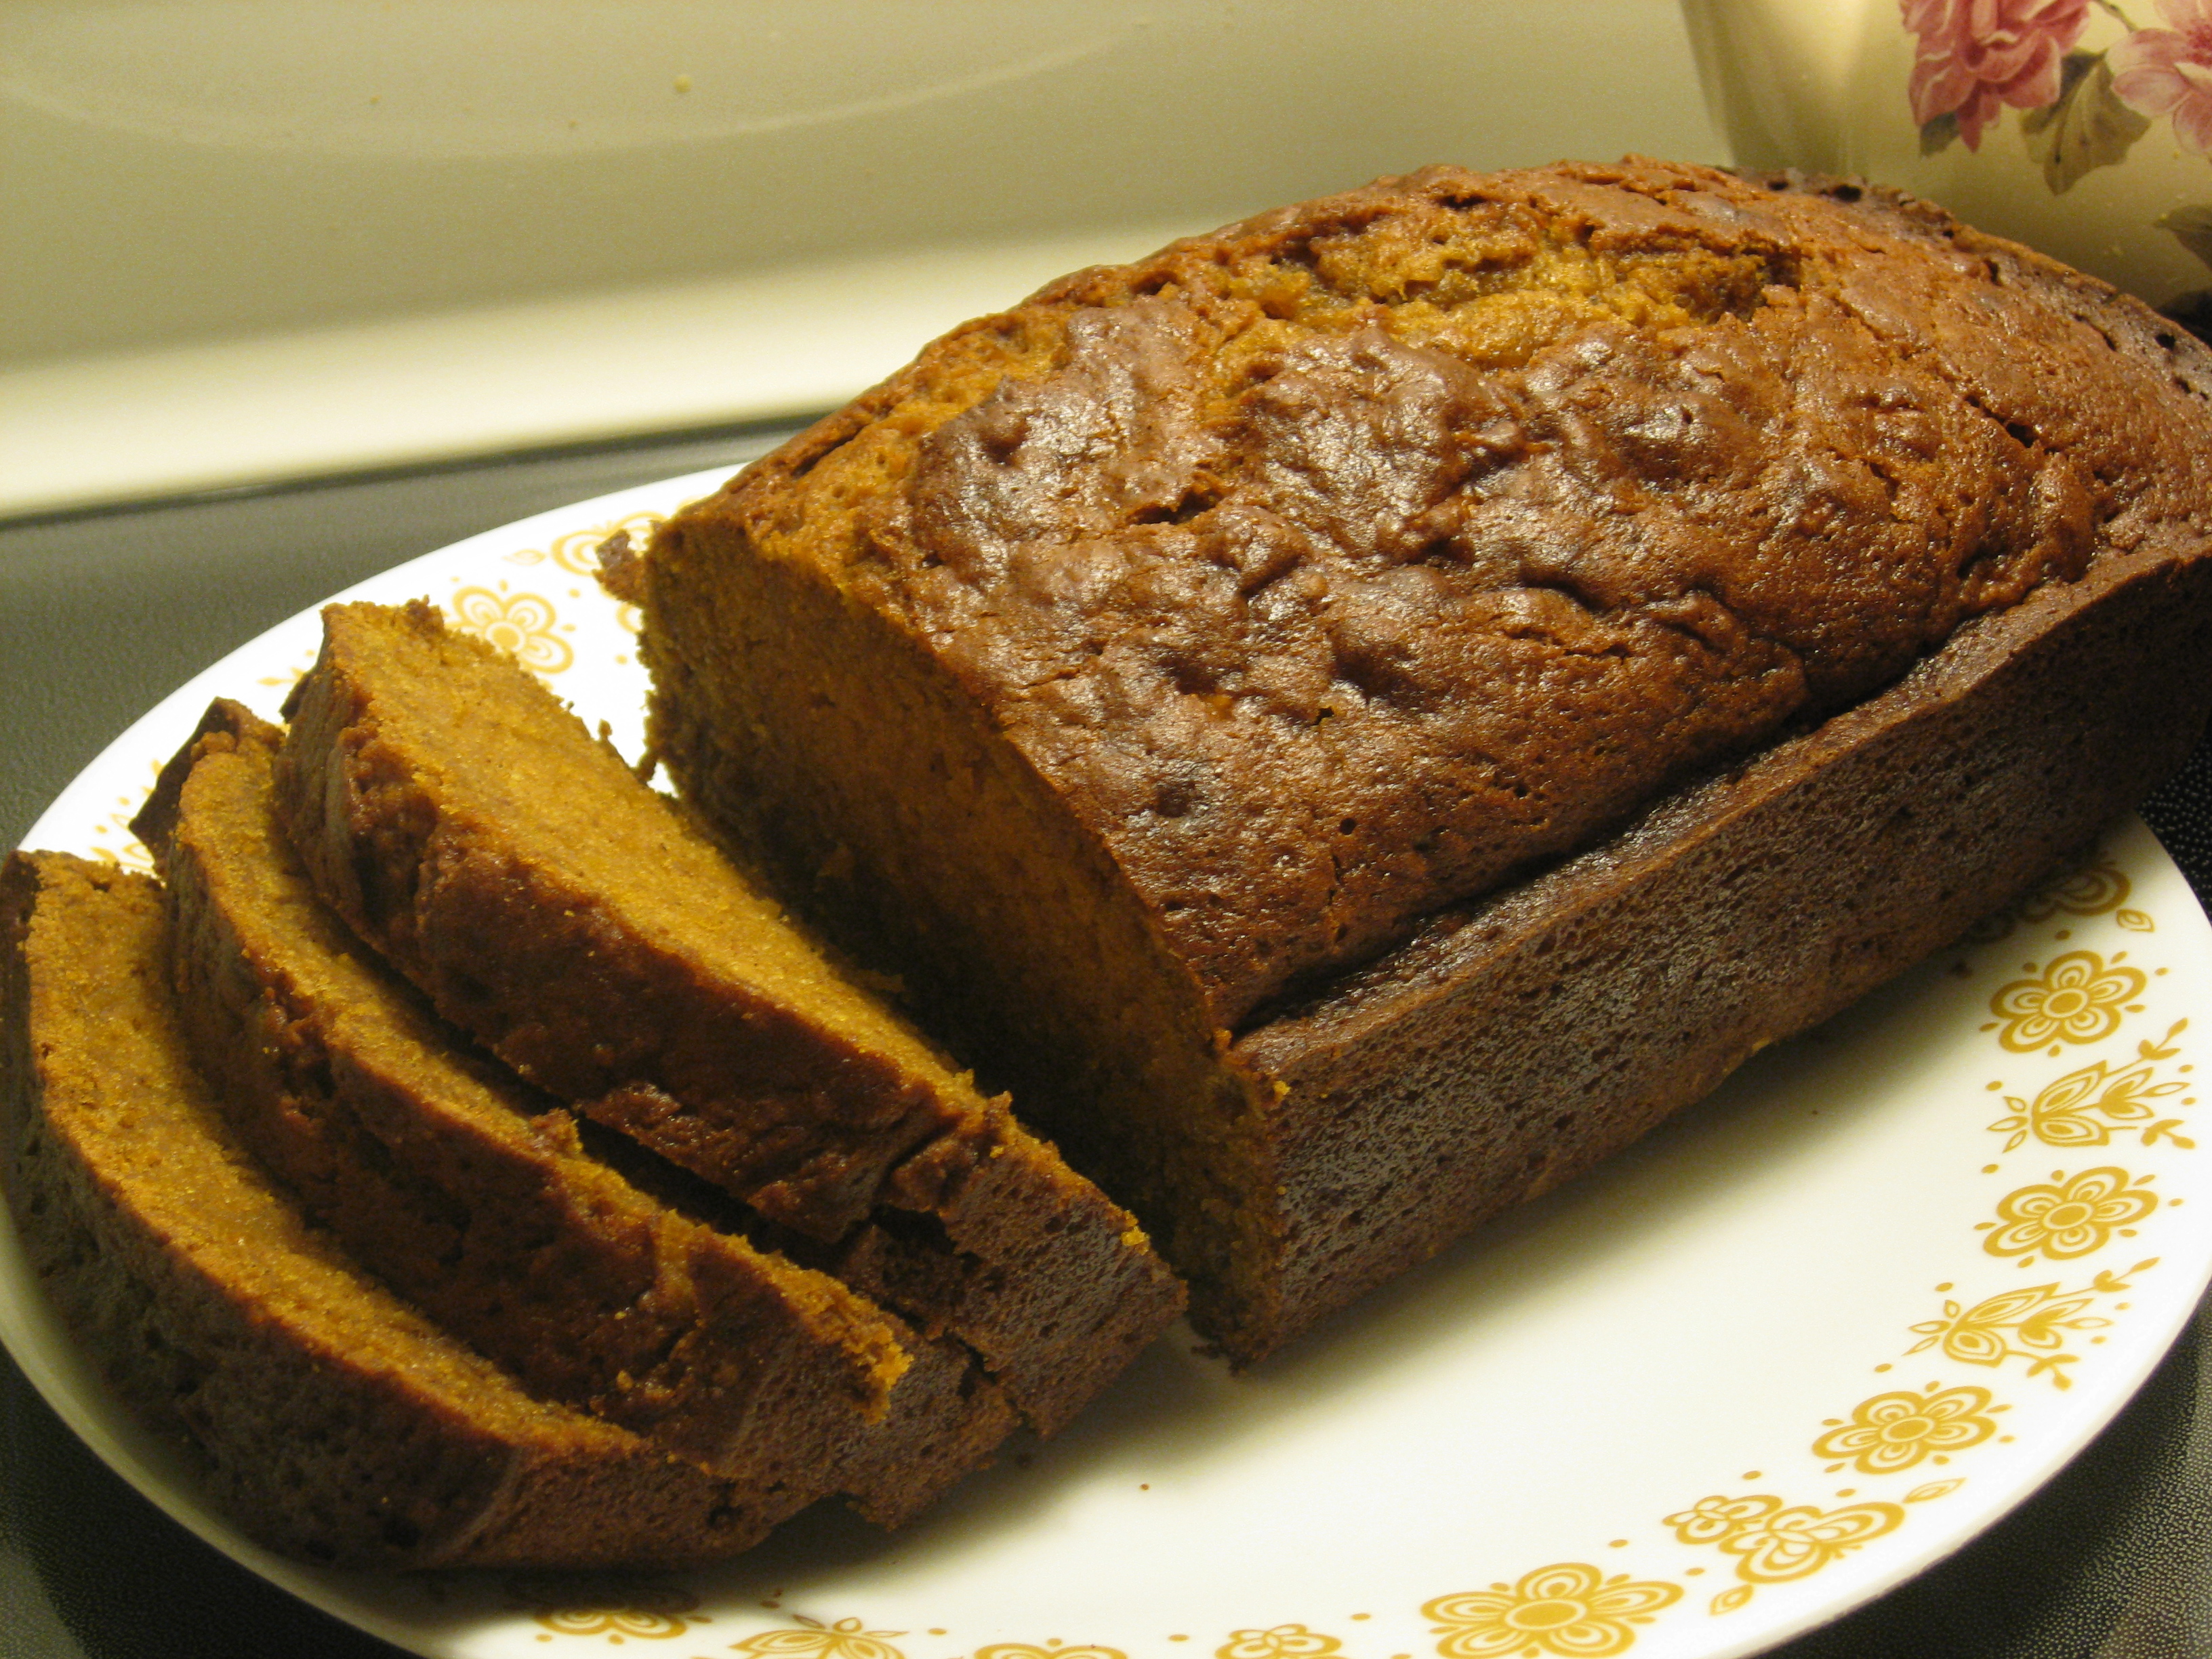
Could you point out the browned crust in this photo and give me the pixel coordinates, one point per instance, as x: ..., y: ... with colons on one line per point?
x: 1059, y: 1291
x: 1026, y: 1262
x: 1515, y: 1045
x: 330, y: 1419
x: 1259, y: 719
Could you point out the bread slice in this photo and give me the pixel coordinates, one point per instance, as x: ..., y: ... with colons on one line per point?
x: 1214, y: 685
x: 470, y: 1195
x: 332, y: 1419
x: 466, y: 824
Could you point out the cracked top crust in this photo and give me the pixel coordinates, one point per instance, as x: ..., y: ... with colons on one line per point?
x: 1344, y: 562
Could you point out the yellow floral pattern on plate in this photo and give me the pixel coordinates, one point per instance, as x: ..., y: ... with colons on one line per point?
x: 1569, y: 1609
x: 2070, y: 1218
x: 614, y: 1609
x: 846, y: 1639
x: 2091, y: 890
x: 115, y: 841
x: 811, y: 1638
x: 2032, y: 1324
x: 2094, y: 889
x: 1282, y: 1642
x: 2078, y: 998
x: 577, y: 550
x: 522, y: 624
x: 1897, y: 1430
x: 2064, y: 1114
x: 1774, y: 1543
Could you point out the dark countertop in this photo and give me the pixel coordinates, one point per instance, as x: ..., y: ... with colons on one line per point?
x: 102, y: 614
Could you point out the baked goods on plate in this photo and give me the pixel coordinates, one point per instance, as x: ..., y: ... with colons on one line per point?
x: 1612, y: 1364
x: 1627, y: 1347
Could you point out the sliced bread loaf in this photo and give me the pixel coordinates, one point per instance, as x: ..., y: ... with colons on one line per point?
x: 331, y: 1419
x: 578, y: 925
x: 470, y: 1195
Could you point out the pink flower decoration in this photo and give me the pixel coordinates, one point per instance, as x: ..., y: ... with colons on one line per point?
x: 1977, y: 56
x: 2169, y: 71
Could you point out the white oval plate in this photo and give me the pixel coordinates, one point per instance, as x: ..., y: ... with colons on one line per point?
x: 1792, y: 1348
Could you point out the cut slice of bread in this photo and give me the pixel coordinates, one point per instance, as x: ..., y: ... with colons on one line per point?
x: 471, y: 1194
x: 469, y: 828
x: 331, y: 1419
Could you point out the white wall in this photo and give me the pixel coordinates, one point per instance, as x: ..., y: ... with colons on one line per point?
x: 249, y: 239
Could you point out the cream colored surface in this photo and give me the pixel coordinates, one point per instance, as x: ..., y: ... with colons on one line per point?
x: 414, y: 388
x: 1779, y: 73
x: 254, y: 239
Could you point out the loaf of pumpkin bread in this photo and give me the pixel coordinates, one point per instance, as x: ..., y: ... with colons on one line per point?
x: 331, y: 1420
x: 465, y: 822
x: 1355, y: 717
x: 472, y: 1196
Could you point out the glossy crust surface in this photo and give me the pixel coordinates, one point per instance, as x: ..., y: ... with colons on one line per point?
x: 1661, y: 460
